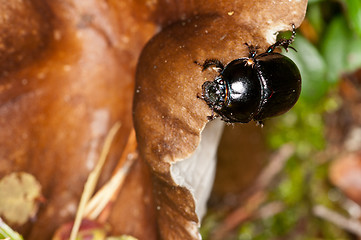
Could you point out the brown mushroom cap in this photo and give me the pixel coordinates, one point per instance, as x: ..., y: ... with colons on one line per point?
x: 67, y: 70
x: 168, y: 116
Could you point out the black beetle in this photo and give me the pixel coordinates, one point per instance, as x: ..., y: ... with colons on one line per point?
x: 255, y: 87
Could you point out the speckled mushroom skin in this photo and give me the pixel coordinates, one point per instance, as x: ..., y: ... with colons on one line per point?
x: 168, y: 116
x: 67, y: 75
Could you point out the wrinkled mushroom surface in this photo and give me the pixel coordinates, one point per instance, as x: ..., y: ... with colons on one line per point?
x: 67, y: 74
x: 169, y: 118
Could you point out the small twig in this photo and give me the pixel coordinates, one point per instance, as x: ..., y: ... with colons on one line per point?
x: 269, y: 210
x: 240, y: 215
x: 276, y: 164
x: 353, y: 226
x: 255, y: 195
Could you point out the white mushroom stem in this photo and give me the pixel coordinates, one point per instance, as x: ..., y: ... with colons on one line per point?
x: 197, y: 172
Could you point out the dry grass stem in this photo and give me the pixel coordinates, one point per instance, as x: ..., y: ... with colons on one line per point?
x: 108, y: 193
x: 92, y: 180
x: 351, y: 225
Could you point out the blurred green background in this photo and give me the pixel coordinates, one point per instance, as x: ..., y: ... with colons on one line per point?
x: 328, y: 46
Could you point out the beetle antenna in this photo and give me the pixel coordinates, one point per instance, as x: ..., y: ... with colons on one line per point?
x: 200, y: 96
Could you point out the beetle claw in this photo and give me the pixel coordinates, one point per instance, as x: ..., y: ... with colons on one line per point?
x: 285, y: 43
x: 213, y: 116
x: 252, y: 50
x: 211, y: 62
x: 260, y: 123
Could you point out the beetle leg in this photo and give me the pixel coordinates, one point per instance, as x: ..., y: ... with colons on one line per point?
x: 285, y: 43
x: 292, y: 48
x: 260, y: 123
x: 211, y: 62
x: 200, y: 96
x: 213, y: 116
x: 252, y: 50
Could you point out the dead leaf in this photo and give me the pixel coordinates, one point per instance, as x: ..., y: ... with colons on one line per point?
x: 18, y: 197
x: 123, y: 237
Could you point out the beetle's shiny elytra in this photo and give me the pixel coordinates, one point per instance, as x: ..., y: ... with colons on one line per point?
x: 257, y: 87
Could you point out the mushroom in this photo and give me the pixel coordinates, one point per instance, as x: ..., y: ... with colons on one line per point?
x: 67, y: 70
x: 171, y: 123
